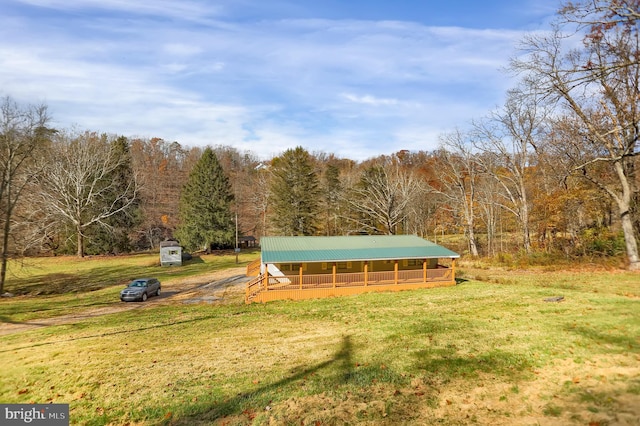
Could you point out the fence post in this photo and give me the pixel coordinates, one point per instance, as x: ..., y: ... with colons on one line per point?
x: 395, y: 272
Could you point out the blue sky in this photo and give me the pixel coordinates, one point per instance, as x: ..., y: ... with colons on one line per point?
x: 357, y: 78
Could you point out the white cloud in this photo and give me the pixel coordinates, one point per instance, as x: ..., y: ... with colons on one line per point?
x: 183, y: 9
x: 369, y: 100
x: 355, y: 88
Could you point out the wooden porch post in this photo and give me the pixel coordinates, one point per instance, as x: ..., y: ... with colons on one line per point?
x: 424, y: 270
x: 453, y: 270
x: 366, y: 272
x: 395, y: 271
x: 333, y: 273
x: 266, y: 276
x: 301, y: 276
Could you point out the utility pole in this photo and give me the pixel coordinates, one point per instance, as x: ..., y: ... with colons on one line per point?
x: 237, y: 248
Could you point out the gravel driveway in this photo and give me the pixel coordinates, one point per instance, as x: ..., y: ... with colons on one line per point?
x: 210, y: 288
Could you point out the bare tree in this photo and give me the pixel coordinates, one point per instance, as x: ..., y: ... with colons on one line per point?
x: 240, y: 167
x: 22, y: 133
x: 382, y: 198
x: 459, y: 178
x: 508, y: 139
x: 489, y: 207
x: 162, y: 169
x: 77, y: 187
x: 258, y: 198
x: 598, y: 84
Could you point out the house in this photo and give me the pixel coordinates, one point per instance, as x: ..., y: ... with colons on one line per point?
x: 247, y: 241
x: 170, y: 253
x: 314, y: 267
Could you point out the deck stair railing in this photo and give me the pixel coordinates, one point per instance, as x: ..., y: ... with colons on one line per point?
x: 253, y: 269
x: 254, y: 287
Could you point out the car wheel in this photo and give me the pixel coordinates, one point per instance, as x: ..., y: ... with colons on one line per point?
x: 144, y: 297
x: 158, y: 292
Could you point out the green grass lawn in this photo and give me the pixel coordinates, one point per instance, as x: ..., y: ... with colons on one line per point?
x: 490, y: 350
x: 67, y: 285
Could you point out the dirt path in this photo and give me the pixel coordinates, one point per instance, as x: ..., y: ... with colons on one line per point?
x: 208, y: 288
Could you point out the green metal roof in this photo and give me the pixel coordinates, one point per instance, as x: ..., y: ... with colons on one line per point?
x: 350, y: 248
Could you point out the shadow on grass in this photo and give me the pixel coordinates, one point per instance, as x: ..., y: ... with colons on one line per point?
x: 83, y: 281
x: 453, y: 360
x: 195, y: 259
x: 103, y: 276
x: 243, y: 403
x: 623, y: 342
x: 448, y: 363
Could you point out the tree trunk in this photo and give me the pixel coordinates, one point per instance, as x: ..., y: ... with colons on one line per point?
x: 524, y: 217
x: 471, y: 217
x: 473, y: 247
x: 630, y: 241
x: 623, y: 200
x: 624, y: 207
x: 80, y: 252
x: 5, y: 251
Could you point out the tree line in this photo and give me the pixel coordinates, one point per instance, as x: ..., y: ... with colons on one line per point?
x: 555, y: 165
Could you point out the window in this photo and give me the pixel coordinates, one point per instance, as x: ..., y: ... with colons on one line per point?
x: 343, y: 266
x: 292, y: 267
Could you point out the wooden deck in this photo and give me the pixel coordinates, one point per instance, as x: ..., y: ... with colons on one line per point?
x: 297, y: 287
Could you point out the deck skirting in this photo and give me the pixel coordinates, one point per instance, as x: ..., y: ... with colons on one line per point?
x: 297, y: 294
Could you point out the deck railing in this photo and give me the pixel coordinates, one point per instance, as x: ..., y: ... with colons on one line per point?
x: 254, y: 287
x: 253, y: 268
x: 324, y: 285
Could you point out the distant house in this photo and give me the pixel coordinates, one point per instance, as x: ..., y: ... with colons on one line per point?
x: 170, y: 253
x: 247, y: 241
x: 314, y: 267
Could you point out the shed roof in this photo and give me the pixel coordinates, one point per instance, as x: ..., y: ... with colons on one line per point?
x: 350, y: 248
x: 169, y: 243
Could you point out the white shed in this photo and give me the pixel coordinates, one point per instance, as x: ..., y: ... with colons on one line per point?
x: 170, y: 253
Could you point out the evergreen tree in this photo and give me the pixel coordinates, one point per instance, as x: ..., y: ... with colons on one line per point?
x: 206, y: 220
x: 112, y: 236
x: 295, y: 191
